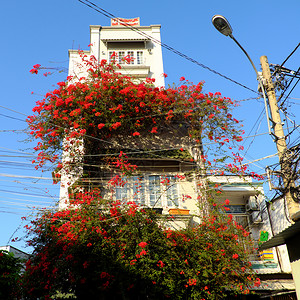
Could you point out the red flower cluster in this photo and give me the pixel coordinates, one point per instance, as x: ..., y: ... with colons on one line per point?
x: 35, y: 69
x: 143, y: 244
x: 104, y: 105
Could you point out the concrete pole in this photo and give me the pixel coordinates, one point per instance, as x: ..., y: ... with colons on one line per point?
x: 293, y: 207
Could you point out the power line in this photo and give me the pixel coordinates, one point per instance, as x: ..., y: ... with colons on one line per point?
x: 139, y: 151
x: 23, y: 176
x: 291, y: 89
x: 259, y: 119
x: 14, y: 118
x: 13, y: 130
x: 10, y: 212
x: 135, y: 151
x: 290, y: 55
x: 25, y: 194
x: 17, y: 151
x: 4, y: 202
x: 13, y: 110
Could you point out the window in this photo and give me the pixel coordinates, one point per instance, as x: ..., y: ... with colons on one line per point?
x: 137, y: 57
x: 241, y: 217
x: 121, y: 55
x: 130, y: 55
x: 112, y: 56
x: 239, y: 214
x: 150, y: 190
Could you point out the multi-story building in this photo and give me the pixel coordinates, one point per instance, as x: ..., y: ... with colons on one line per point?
x: 125, y: 38
x: 165, y: 181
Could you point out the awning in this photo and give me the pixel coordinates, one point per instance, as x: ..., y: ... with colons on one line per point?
x: 116, y: 39
x: 282, y: 237
x: 276, y: 285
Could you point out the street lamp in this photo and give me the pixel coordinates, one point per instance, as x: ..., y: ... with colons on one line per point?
x: 223, y: 26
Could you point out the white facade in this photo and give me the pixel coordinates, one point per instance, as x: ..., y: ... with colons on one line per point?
x: 248, y: 206
x: 16, y: 252
x: 122, y: 41
x: 134, y: 41
x: 280, y: 220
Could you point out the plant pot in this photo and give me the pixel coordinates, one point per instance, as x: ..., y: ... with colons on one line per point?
x: 179, y: 211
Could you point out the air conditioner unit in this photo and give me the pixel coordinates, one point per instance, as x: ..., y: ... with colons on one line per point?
x: 252, y: 204
x: 255, y: 218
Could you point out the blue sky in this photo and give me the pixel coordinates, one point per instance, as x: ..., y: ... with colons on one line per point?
x: 42, y: 32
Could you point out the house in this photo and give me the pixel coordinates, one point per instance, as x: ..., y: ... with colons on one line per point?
x: 23, y: 256
x: 285, y: 237
x: 125, y: 38
x: 166, y: 164
x: 250, y: 209
x: 16, y: 252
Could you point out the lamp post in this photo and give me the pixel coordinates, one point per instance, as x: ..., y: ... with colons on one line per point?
x: 223, y: 26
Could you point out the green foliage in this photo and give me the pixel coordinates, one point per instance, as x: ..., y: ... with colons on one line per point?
x: 103, y: 249
x: 109, y: 250
x: 10, y: 268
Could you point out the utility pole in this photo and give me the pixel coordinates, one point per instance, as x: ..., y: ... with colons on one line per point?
x: 279, y: 136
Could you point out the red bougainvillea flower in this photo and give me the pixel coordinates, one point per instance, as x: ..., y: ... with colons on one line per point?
x: 154, y: 130
x: 118, y: 105
x: 35, y: 69
x: 192, y: 281
x: 113, y: 230
x: 143, y: 252
x: 132, y: 262
x: 160, y: 264
x: 143, y: 244
x: 116, y: 125
x: 257, y: 282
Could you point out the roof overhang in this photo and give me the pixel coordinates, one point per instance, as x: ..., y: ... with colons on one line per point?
x: 112, y: 39
x: 282, y: 237
x: 125, y: 40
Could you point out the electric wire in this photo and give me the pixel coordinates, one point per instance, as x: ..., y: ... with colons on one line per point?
x: 286, y: 88
x: 290, y: 55
x: 24, y: 176
x: 259, y: 119
x: 26, y: 194
x: 211, y: 143
x: 14, y: 118
x: 22, y: 204
x: 291, y: 89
